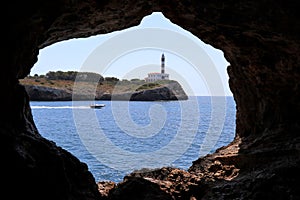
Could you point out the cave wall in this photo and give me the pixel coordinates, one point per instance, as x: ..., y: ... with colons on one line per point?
x: 260, y: 40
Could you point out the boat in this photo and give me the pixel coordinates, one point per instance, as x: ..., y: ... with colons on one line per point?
x: 97, y: 106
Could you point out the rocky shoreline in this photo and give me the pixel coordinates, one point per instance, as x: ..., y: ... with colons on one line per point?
x: 169, y: 92
x: 260, y: 40
x: 198, y: 182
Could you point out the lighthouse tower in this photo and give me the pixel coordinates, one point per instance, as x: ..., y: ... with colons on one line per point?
x: 162, y: 66
x: 156, y: 76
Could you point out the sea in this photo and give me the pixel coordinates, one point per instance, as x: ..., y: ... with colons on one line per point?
x: 124, y: 136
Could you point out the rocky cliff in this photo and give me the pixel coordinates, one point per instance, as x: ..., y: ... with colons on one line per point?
x: 42, y: 93
x: 166, y: 92
x: 261, y: 40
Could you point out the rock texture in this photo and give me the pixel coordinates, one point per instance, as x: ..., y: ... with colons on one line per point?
x: 259, y: 39
x: 169, y: 92
x: 158, y: 94
x: 41, y: 93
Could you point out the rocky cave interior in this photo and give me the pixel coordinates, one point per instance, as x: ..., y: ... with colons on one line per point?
x: 261, y: 42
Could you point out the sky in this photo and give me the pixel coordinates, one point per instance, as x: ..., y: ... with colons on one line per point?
x: 135, y: 52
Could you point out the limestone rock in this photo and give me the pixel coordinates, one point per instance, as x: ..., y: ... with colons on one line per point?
x: 260, y: 40
x: 170, y: 92
x: 40, y: 93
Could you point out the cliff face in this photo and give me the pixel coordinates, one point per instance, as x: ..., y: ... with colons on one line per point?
x: 261, y: 42
x: 40, y: 93
x: 167, y: 92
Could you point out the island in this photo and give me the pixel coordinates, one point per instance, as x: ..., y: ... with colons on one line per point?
x: 72, y: 85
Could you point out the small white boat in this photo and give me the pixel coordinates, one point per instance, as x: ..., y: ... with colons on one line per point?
x: 97, y: 106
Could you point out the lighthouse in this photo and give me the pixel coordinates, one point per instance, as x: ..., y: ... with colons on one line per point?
x: 162, y: 65
x: 156, y: 76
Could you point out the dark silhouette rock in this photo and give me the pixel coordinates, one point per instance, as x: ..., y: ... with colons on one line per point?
x: 259, y: 39
x: 136, y: 189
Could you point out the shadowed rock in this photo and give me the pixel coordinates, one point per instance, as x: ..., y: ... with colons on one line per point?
x: 261, y: 40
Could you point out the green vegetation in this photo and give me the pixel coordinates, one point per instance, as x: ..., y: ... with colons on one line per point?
x: 163, y: 82
x: 148, y: 86
x: 111, y: 80
x: 70, y: 75
x: 65, y: 81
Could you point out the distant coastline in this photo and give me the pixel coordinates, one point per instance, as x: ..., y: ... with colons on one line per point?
x: 59, y: 86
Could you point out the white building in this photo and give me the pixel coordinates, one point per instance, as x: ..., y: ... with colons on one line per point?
x: 155, y: 76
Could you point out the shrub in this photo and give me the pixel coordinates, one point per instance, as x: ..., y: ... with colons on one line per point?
x: 148, y: 86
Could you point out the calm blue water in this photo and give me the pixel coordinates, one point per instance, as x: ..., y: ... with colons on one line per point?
x: 124, y: 136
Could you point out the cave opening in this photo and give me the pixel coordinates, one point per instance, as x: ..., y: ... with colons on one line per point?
x: 261, y: 42
x: 54, y: 118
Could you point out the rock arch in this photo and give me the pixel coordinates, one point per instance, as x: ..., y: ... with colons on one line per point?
x: 260, y: 40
